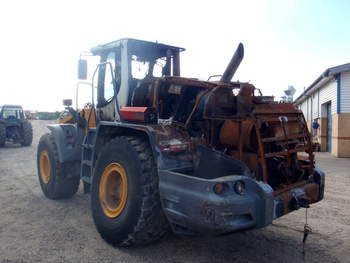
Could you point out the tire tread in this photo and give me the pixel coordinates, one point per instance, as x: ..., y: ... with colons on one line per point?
x: 63, y: 187
x: 151, y: 225
x: 27, y: 133
x: 2, y: 135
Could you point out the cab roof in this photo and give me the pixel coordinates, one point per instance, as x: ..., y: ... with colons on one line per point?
x: 10, y: 106
x: 134, y: 42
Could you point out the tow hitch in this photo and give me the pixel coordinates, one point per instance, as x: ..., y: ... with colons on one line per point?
x: 297, y: 202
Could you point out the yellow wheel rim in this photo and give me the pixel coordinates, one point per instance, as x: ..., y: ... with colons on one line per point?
x: 45, y: 167
x: 113, y: 190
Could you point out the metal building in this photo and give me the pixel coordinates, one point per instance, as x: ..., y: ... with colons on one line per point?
x: 327, y: 102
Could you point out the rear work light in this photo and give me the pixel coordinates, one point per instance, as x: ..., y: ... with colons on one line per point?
x: 239, y: 187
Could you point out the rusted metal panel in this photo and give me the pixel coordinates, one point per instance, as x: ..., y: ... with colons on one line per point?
x: 275, y: 108
x: 231, y: 131
x: 289, y: 187
x: 283, y: 138
x: 287, y: 152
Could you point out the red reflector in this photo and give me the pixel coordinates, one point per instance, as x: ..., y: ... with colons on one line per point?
x: 219, y: 188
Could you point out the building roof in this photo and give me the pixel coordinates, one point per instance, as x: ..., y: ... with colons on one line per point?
x: 324, y: 77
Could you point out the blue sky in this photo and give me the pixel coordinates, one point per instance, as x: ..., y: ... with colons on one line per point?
x: 286, y: 42
x: 318, y: 27
x: 313, y: 34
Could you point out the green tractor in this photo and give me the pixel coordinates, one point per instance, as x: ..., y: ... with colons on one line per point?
x: 159, y: 152
x: 14, y: 127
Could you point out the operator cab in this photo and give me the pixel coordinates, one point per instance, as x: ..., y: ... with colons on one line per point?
x: 11, y: 112
x: 125, y: 66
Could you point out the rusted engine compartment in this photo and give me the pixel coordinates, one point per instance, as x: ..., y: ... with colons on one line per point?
x: 229, y: 124
x: 270, y: 138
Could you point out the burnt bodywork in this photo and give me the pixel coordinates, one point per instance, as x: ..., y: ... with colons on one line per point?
x: 214, y: 136
x: 228, y: 157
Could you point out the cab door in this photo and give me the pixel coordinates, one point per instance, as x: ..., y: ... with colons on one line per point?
x: 107, y: 87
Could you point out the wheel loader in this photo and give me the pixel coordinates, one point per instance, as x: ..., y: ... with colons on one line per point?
x: 159, y: 152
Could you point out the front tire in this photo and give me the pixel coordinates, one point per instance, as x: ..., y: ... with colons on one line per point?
x: 57, y: 180
x: 125, y: 198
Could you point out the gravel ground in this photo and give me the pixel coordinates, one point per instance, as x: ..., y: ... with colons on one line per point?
x: 35, y: 229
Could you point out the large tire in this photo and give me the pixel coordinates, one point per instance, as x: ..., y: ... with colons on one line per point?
x: 57, y: 180
x: 2, y: 135
x: 27, y: 133
x: 140, y: 220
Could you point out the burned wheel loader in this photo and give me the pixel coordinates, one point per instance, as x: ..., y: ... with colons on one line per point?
x: 160, y: 152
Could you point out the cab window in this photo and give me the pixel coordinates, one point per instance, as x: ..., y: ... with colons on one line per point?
x: 12, y: 113
x: 139, y: 68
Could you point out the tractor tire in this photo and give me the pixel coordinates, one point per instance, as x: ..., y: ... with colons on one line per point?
x: 57, y: 180
x: 27, y: 133
x: 130, y: 214
x: 2, y: 135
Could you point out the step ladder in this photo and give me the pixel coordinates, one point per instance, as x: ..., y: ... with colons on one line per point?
x: 86, y: 168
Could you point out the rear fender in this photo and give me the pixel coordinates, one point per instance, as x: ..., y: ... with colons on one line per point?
x: 68, y: 139
x: 109, y: 130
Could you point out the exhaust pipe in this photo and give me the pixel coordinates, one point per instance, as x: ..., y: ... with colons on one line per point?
x: 234, y: 64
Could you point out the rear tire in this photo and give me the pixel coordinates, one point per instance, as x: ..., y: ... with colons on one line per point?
x: 140, y: 220
x: 57, y: 180
x: 2, y: 135
x: 27, y: 133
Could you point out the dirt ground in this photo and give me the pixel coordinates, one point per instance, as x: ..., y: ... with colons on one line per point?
x: 35, y: 229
